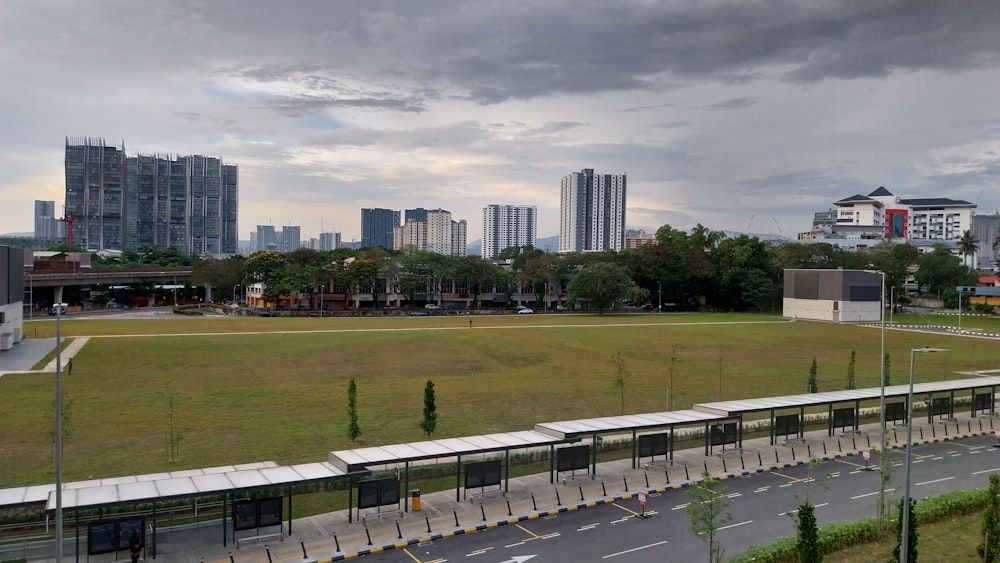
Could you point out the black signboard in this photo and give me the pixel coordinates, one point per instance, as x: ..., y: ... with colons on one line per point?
x: 895, y: 411
x: 941, y: 406
x: 101, y: 538
x: 652, y: 445
x: 244, y: 515
x: 482, y: 474
x: 984, y: 402
x: 572, y: 458
x: 269, y: 511
x: 785, y: 425
x: 378, y: 492
x: 108, y: 536
x: 843, y: 418
x: 723, y: 434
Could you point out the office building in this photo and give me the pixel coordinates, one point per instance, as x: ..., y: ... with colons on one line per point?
x: 46, y: 223
x: 507, y: 226
x: 115, y: 202
x: 329, y: 241
x: 592, y: 212
x: 985, y: 230
x: 377, y: 226
x: 266, y: 239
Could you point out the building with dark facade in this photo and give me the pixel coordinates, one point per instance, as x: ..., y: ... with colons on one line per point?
x: 844, y: 296
x: 377, y: 226
x: 115, y: 202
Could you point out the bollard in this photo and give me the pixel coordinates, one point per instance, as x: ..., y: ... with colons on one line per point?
x: 809, y: 451
x: 482, y: 509
x: 367, y: 533
x: 921, y: 433
x: 980, y: 425
x: 533, y: 505
x: 776, y: 460
x: 455, y: 512
x: 894, y: 437
x: 426, y: 519
x: 399, y: 532
x: 624, y: 480
x: 509, y: 511
x: 760, y: 461
x: 303, y: 545
x: 231, y: 560
x: 604, y: 490
x: 969, y: 424
x: 743, y: 464
x: 724, y: 468
x: 665, y: 472
x: 336, y: 542
x: 793, y: 452
x: 854, y: 442
x: 945, y: 430
x: 268, y: 551
x: 646, y: 473
x: 581, y: 493
x: 687, y: 476
x: 705, y: 465
x: 840, y: 448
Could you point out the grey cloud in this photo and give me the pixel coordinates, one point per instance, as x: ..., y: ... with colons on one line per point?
x: 735, y: 103
x: 557, y: 126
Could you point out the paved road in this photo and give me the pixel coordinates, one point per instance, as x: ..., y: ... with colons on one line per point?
x: 841, y: 490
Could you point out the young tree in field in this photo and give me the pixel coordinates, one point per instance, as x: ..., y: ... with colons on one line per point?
x: 989, y: 549
x: 911, y: 539
x: 429, y: 423
x: 807, y: 536
x: 850, y: 370
x: 353, y: 428
x: 174, y: 435
x: 619, y: 381
x: 707, y: 512
x: 602, y: 285
x: 887, y: 363
x: 812, y: 384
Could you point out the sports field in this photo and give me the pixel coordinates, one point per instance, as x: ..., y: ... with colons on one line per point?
x: 256, y: 389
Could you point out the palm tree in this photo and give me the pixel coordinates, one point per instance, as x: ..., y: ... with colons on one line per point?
x: 968, y: 245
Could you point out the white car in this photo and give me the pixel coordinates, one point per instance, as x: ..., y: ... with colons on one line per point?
x: 525, y: 311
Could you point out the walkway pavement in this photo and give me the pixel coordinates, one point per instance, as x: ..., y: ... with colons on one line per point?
x: 332, y: 537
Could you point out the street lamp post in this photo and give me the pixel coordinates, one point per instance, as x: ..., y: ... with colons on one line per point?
x: 659, y: 300
x: 234, y: 294
x: 60, y: 309
x: 882, y: 459
x: 905, y: 539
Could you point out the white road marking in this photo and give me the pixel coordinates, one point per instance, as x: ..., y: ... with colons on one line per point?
x: 870, y: 494
x: 934, y: 481
x: 987, y: 471
x: 609, y: 556
x: 735, y: 525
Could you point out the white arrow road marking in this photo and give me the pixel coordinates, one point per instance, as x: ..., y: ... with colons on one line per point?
x: 519, y: 559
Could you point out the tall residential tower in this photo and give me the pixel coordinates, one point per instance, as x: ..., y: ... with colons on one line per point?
x: 506, y: 226
x: 592, y: 212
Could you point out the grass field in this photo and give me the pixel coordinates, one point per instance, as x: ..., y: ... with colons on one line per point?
x: 255, y: 389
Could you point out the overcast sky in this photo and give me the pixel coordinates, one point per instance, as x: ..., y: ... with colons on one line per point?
x: 730, y: 114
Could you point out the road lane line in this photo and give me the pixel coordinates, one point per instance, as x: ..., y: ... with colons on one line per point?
x: 735, y: 525
x: 609, y: 556
x: 934, y: 481
x: 987, y: 471
x: 870, y: 494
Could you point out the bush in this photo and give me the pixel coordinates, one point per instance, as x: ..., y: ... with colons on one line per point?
x: 191, y: 312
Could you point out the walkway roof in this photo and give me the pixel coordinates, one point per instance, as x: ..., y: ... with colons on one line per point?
x: 355, y: 460
x: 586, y: 426
x: 737, y: 408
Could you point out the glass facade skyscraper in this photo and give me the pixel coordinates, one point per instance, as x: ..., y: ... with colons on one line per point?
x: 377, y: 226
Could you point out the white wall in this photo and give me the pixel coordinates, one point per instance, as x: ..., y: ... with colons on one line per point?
x: 12, y: 329
x: 824, y: 310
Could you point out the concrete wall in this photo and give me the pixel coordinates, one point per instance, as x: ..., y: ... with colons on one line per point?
x: 845, y: 296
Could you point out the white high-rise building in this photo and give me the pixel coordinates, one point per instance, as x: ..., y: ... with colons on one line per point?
x: 592, y: 212
x: 329, y: 241
x: 506, y: 226
x: 46, y: 225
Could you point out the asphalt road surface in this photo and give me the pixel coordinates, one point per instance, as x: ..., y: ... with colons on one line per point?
x: 760, y: 507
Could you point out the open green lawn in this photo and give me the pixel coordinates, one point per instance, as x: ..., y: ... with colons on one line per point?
x: 263, y: 395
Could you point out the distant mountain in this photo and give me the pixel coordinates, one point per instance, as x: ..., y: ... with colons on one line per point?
x: 549, y: 244
x: 761, y: 236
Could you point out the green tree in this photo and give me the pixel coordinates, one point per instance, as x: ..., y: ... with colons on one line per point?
x: 619, y: 381
x: 353, y: 428
x: 746, y: 273
x: 222, y: 275
x: 812, y: 384
x: 911, y: 539
x: 268, y: 269
x: 479, y: 275
x: 601, y: 285
x: 989, y: 549
x: 940, y: 270
x: 967, y: 247
x: 429, y: 422
x: 708, y: 511
x: 850, y: 370
x: 807, y: 537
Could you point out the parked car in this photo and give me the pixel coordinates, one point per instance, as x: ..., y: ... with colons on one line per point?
x: 265, y: 313
x: 431, y: 306
x: 312, y: 314
x: 419, y: 314
x: 525, y: 311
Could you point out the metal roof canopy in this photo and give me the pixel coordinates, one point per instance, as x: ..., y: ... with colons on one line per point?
x: 358, y: 459
x: 189, y: 483
x: 570, y: 429
x: 741, y: 407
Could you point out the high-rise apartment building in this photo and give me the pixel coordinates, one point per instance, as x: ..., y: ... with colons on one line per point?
x: 506, y: 226
x: 329, y: 241
x: 377, y: 226
x: 46, y: 224
x: 130, y: 203
x: 419, y: 214
x: 592, y: 212
x: 266, y: 239
x: 291, y: 238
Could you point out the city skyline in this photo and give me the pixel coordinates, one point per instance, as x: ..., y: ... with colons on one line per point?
x: 739, y: 116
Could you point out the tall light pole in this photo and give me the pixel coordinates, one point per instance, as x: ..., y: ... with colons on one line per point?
x: 882, y: 458
x: 60, y: 308
x: 904, y: 541
x: 659, y: 300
